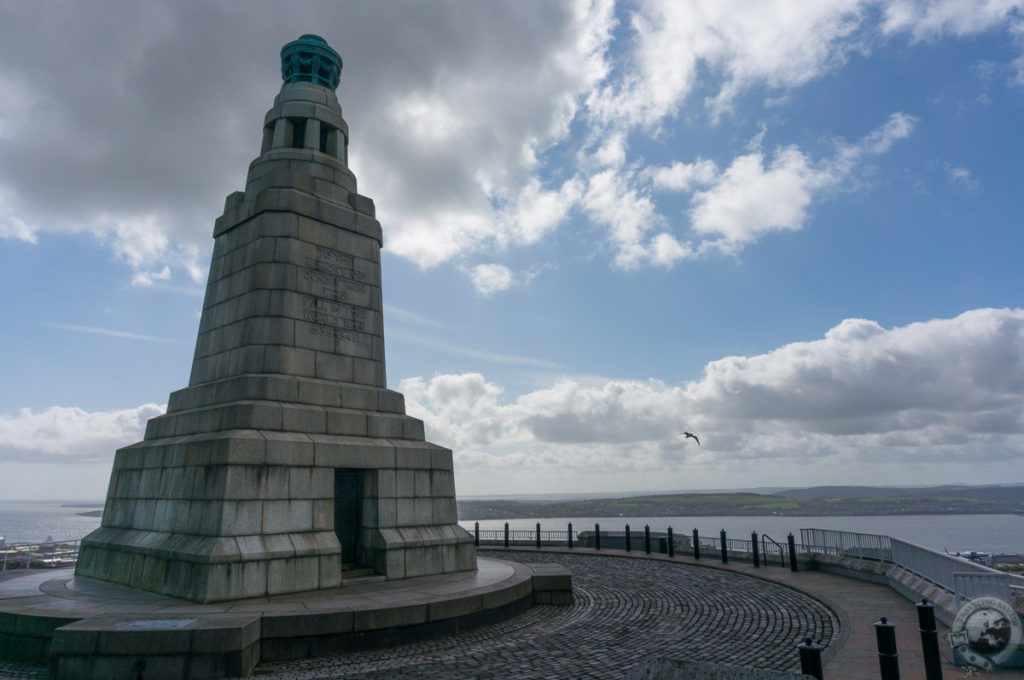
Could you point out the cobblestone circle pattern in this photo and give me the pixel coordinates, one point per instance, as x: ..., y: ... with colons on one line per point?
x: 624, y: 609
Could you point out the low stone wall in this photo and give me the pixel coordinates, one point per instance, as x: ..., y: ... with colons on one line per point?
x: 903, y: 581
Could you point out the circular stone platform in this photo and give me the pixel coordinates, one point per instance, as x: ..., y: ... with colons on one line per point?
x: 625, y: 609
x: 104, y: 630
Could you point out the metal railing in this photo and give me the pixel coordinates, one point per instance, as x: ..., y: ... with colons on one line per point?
x: 954, y: 574
x: 710, y: 545
x: 958, y: 576
x: 971, y: 585
x: 769, y: 546
x: 847, y: 544
x: 527, y: 537
x: 49, y: 554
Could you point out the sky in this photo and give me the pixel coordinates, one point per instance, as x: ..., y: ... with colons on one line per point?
x: 791, y: 228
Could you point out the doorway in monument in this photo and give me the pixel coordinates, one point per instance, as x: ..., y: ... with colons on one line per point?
x: 348, y: 513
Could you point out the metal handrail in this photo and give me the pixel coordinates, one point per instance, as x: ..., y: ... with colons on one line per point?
x: 764, y: 549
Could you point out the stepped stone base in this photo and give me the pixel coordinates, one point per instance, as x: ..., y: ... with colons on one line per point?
x: 207, y: 509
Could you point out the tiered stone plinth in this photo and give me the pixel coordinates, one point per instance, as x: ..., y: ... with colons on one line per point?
x: 287, y: 456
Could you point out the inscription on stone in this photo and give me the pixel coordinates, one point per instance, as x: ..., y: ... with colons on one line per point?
x: 335, y: 282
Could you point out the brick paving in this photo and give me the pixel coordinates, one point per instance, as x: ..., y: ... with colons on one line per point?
x: 624, y: 609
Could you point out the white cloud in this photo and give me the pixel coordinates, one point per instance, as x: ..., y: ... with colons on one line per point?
x: 749, y: 198
x: 683, y: 176
x: 862, y: 398
x: 780, y: 43
x: 962, y: 178
x: 932, y: 19
x: 71, y: 435
x: 12, y: 227
x: 945, y: 391
x: 491, y: 278
x: 15, y: 229
x: 899, y: 126
x: 466, y: 140
x: 468, y: 137
x: 612, y: 153
x: 536, y: 212
x: 625, y: 211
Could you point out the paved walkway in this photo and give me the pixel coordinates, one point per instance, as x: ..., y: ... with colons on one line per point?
x: 625, y: 609
x: 631, y: 606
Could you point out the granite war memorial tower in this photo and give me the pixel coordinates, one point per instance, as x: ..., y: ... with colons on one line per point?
x: 286, y: 459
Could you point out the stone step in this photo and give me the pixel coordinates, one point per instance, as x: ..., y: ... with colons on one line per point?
x: 287, y: 389
x: 354, y: 577
x: 285, y: 417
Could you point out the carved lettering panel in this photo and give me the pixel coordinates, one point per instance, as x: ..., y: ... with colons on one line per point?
x: 337, y: 305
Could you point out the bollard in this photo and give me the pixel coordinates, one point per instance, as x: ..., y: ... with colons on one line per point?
x: 476, y: 534
x: 629, y: 546
x: 696, y: 544
x: 888, y: 657
x: 810, y: 659
x: 597, y: 536
x: 792, y: 553
x: 506, y: 534
x: 538, y: 534
x: 929, y: 640
x: 570, y: 535
x: 725, y: 550
x: 671, y: 544
x: 647, y: 539
x: 753, y: 542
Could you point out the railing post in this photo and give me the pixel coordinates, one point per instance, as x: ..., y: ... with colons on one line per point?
x: 696, y: 544
x: 671, y: 544
x: 629, y: 546
x: 888, y: 657
x: 725, y: 550
x: 570, y: 535
x: 647, y: 539
x: 506, y: 534
x: 476, y: 534
x: 810, y: 659
x: 792, y: 553
x: 753, y: 546
x: 929, y: 640
x: 597, y: 536
x: 538, y: 534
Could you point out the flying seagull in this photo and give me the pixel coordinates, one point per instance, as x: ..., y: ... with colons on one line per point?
x: 692, y: 436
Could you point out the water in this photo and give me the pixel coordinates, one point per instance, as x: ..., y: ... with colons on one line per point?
x: 996, y: 534
x: 35, y: 521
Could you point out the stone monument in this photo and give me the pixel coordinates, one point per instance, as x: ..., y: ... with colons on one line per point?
x: 286, y: 460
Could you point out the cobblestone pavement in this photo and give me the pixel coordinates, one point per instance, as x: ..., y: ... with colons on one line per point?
x: 12, y: 670
x: 624, y: 609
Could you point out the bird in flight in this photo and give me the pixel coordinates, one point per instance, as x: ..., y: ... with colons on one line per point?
x: 692, y: 436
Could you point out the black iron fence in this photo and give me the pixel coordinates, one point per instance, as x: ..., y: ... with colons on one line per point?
x: 761, y: 550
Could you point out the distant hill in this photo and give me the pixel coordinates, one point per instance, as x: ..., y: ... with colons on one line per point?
x: 817, y: 501
x: 1001, y: 493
